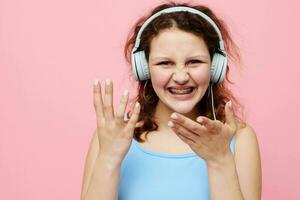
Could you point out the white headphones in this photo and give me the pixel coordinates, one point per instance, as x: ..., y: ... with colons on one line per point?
x: 139, y: 62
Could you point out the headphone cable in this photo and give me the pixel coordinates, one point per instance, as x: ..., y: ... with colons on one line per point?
x: 212, y: 100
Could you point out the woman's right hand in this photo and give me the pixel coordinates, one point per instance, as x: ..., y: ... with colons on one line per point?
x: 114, y: 134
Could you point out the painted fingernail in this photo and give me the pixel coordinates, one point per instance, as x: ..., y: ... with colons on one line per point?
x: 107, y: 81
x: 230, y: 104
x: 125, y: 93
x: 96, y: 82
x: 200, y: 120
x: 174, y: 116
x: 170, y: 124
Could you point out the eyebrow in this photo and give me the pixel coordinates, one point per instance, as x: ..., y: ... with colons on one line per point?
x: 192, y: 57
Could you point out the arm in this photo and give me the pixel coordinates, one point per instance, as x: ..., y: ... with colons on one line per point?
x: 239, y: 177
x: 101, y: 176
x: 111, y: 142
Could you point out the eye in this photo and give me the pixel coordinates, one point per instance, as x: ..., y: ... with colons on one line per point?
x: 195, y: 61
x: 163, y: 63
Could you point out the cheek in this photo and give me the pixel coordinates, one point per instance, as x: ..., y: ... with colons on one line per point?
x: 202, y: 76
x: 159, y: 78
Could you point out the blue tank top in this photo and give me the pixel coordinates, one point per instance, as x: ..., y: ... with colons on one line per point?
x: 148, y: 175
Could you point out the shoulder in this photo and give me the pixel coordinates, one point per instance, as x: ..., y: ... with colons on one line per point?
x: 246, y: 141
x: 246, y: 136
x: 248, y: 163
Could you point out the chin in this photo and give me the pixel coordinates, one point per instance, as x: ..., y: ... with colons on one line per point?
x: 182, y: 107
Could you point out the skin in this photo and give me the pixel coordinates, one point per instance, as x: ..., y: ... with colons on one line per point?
x: 237, y: 177
x: 110, y: 144
x: 178, y: 58
x: 210, y: 139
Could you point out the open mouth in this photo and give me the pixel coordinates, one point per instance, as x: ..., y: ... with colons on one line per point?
x: 181, y: 92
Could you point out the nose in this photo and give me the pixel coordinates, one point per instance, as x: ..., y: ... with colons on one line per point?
x: 181, y: 75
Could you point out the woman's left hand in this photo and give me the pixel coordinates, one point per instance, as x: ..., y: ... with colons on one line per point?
x: 210, y: 139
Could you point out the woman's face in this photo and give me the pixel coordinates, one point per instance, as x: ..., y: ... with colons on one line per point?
x: 181, y: 60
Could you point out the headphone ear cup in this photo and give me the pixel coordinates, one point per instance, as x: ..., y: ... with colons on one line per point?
x: 218, y: 67
x: 142, y: 68
x: 134, y: 64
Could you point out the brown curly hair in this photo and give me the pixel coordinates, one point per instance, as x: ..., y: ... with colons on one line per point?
x: 195, y: 24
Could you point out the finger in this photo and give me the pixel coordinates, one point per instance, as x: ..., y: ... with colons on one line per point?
x: 229, y: 115
x: 207, y: 123
x: 177, y: 128
x: 139, y: 124
x: 133, y: 119
x: 126, y: 117
x: 130, y: 113
x: 184, y: 138
x: 122, y: 107
x: 108, y: 100
x: 188, y: 123
x: 98, y: 104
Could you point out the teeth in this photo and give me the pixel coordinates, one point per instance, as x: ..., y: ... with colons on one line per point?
x: 181, y: 91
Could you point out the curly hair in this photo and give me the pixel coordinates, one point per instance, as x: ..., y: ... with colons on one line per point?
x: 191, y: 23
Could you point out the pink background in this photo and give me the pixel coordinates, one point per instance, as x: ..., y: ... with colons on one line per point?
x: 51, y: 52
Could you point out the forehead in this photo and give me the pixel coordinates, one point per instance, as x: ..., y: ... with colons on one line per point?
x: 175, y: 42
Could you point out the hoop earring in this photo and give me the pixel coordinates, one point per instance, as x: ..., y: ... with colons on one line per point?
x: 144, y: 96
x: 146, y: 84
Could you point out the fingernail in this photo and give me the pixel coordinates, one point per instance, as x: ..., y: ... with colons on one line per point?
x: 174, y: 116
x: 96, y: 82
x: 137, y: 104
x: 125, y: 93
x: 107, y: 81
x: 230, y: 104
x: 200, y: 120
x: 170, y: 124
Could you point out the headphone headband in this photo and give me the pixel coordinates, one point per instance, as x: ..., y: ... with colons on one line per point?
x: 138, y: 57
x: 178, y: 9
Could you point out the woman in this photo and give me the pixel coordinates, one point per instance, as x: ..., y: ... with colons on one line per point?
x: 184, y: 138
